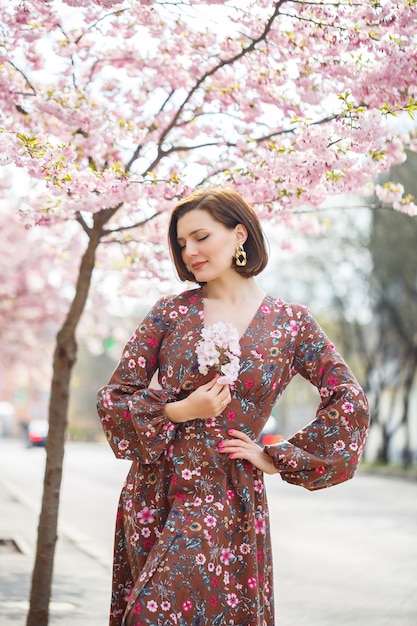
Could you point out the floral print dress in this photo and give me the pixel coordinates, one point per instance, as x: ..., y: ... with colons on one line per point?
x: 192, y: 542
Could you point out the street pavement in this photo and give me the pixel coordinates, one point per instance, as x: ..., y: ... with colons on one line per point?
x: 345, y: 556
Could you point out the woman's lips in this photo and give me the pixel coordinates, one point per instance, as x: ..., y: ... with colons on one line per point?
x: 198, y: 266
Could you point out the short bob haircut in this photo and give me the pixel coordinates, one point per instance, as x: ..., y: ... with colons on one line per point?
x: 226, y: 206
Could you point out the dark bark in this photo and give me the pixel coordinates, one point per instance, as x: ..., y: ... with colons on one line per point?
x: 63, y: 363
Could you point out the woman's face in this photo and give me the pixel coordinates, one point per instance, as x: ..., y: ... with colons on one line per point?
x: 207, y: 246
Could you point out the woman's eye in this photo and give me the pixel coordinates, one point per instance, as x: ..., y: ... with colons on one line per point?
x: 202, y: 238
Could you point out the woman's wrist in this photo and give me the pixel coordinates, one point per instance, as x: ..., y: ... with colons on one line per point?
x: 176, y: 412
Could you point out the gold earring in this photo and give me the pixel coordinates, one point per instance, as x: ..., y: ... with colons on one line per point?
x: 240, y: 256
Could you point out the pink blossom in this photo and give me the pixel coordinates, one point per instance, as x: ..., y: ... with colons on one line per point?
x: 389, y: 192
x: 219, y: 348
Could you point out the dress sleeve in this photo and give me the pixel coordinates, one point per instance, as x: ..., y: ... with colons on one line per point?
x: 131, y: 413
x: 327, y: 451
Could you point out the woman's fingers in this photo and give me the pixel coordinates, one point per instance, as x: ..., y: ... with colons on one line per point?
x: 243, y: 447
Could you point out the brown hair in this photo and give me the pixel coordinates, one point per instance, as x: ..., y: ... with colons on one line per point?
x: 226, y: 206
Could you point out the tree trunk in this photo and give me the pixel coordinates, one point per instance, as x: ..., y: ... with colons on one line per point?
x: 64, y: 360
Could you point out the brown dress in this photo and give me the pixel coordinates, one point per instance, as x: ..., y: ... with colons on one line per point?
x: 192, y: 544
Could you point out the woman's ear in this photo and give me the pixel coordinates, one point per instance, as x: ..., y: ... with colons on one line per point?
x: 241, y: 234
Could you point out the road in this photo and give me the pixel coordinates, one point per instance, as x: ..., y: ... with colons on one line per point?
x: 345, y: 556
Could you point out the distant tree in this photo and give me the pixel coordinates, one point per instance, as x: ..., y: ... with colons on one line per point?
x: 393, y: 246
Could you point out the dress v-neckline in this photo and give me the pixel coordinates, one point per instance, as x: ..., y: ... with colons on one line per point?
x: 248, y: 327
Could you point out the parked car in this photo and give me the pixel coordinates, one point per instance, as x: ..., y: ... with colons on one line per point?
x: 37, y: 432
x: 270, y: 433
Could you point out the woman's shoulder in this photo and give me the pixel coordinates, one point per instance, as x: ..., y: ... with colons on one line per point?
x: 170, y: 305
x: 288, y: 309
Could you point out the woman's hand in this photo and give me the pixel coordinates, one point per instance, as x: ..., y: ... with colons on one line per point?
x: 206, y: 401
x: 242, y: 447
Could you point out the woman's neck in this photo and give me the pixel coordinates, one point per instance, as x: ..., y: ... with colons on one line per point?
x: 234, y: 291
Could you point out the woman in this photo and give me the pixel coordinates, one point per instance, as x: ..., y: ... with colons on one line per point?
x: 192, y: 536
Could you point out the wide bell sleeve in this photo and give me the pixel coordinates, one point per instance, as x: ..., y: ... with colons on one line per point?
x: 327, y: 451
x: 131, y: 413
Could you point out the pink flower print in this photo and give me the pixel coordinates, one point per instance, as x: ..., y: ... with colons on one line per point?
x: 252, y: 582
x: 152, y: 606
x: 146, y: 515
x: 107, y: 402
x: 186, y: 474
x: 173, y: 315
x: 258, y: 486
x: 353, y: 446
x: 332, y: 381
x: 198, y: 502
x: 348, y: 407
x: 145, y: 532
x: 249, y: 383
x: 169, y: 452
x: 230, y: 494
x: 292, y: 463
x: 265, y: 309
x: 187, y: 606
x: 245, y: 548
x: 142, y: 361
x: 293, y: 328
x: 231, y: 416
x: 324, y: 392
x: 218, y: 570
x: 209, y: 498
x: 192, y: 299
x: 134, y: 538
x: 320, y: 470
x: 226, y: 555
x: 210, y: 567
x: 260, y: 525
x: 170, y: 371
x: 165, y: 605
x: 128, y: 505
x: 213, y: 601
x: 123, y: 444
x: 200, y: 559
x: 232, y: 600
x: 126, y: 415
x: 339, y: 445
x: 183, y: 309
x: 131, y: 363
x: 152, y: 342
x: 210, y: 521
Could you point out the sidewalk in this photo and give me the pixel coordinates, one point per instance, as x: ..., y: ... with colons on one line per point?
x: 81, y: 588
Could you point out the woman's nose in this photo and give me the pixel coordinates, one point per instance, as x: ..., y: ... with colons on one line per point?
x: 189, y: 249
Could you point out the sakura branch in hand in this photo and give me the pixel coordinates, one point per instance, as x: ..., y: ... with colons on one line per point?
x: 219, y: 348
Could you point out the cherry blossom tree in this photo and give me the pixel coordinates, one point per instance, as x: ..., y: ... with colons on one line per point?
x: 114, y: 109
